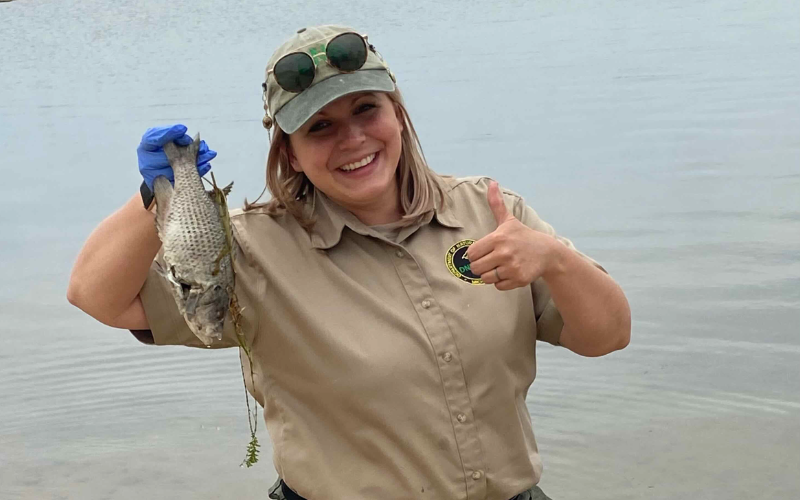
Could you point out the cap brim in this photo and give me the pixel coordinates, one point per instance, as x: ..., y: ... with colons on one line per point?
x: 297, y: 111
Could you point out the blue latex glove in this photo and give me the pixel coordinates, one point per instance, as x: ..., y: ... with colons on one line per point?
x: 153, y: 161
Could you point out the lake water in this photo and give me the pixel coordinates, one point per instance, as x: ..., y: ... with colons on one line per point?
x: 662, y: 137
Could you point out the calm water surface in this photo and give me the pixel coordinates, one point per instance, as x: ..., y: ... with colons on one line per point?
x: 662, y: 137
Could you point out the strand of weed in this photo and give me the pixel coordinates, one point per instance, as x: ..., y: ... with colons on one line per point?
x: 251, y: 455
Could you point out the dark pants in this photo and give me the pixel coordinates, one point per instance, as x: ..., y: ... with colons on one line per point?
x: 280, y: 491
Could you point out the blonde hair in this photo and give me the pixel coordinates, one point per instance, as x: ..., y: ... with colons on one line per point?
x: 419, y: 185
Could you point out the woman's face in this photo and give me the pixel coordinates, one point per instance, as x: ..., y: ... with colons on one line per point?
x: 350, y: 150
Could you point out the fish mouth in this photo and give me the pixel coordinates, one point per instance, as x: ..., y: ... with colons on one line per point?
x: 208, y: 334
x: 206, y: 325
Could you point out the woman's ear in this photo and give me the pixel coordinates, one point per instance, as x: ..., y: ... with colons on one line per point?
x: 292, y: 158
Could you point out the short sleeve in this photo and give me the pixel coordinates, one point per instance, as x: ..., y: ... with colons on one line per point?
x: 548, y: 319
x: 167, y: 324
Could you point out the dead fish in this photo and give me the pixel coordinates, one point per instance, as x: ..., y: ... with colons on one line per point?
x: 195, y: 249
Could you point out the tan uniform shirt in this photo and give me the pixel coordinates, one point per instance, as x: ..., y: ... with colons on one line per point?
x: 383, y: 371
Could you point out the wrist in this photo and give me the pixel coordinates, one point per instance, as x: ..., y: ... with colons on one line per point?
x: 557, y: 263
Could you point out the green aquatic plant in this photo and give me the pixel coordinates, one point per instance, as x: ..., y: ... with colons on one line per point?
x: 220, y: 199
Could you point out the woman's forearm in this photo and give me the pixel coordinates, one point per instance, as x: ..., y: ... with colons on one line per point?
x: 596, y: 314
x: 113, y: 263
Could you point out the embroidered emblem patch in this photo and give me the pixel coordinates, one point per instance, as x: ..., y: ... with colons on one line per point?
x: 458, y: 265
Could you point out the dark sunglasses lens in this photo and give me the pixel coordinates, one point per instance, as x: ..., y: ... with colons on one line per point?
x: 295, y: 72
x: 348, y: 52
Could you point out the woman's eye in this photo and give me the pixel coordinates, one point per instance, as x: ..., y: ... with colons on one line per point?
x: 364, y: 107
x: 318, y: 126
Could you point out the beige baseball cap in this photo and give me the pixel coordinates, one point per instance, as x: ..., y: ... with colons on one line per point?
x: 291, y: 110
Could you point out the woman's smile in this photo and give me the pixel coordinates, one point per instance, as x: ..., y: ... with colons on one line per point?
x: 357, y: 165
x: 360, y: 169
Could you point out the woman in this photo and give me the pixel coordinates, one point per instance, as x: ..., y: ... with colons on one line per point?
x: 392, y: 313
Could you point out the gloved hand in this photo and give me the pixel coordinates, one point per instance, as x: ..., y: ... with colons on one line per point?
x: 153, y: 161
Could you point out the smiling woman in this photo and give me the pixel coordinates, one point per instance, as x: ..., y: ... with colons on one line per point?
x: 350, y: 150
x: 392, y: 313
x: 340, y: 149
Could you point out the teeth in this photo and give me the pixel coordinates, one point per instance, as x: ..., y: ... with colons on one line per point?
x: 358, y: 164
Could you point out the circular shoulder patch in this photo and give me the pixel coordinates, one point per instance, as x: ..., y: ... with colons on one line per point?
x: 458, y: 265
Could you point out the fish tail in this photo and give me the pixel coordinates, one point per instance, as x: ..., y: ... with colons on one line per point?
x: 163, y: 193
x: 183, y: 157
x: 193, y: 148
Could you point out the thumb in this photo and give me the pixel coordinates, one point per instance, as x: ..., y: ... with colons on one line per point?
x: 497, y: 205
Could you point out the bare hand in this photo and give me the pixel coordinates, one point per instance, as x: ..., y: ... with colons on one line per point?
x: 513, y: 255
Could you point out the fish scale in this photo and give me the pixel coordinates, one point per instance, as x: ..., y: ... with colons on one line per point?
x: 194, y: 245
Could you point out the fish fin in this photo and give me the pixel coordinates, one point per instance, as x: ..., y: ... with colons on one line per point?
x: 172, y: 152
x: 163, y: 192
x: 193, y: 148
x: 159, y: 268
x: 191, y: 302
x: 169, y: 275
x: 226, y: 191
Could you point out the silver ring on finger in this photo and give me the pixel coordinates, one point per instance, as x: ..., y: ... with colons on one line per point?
x: 497, y: 275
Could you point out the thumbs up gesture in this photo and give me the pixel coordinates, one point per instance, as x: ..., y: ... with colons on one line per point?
x: 513, y: 255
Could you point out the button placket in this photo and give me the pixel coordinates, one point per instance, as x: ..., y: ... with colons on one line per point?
x: 443, y: 342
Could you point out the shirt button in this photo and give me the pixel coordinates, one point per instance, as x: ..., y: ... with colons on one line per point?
x: 461, y: 418
x: 477, y: 475
x: 426, y: 304
x: 399, y: 254
x: 447, y: 357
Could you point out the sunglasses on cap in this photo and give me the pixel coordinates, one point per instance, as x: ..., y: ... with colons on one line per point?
x: 346, y: 52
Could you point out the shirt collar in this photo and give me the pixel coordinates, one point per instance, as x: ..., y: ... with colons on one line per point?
x: 445, y: 215
x: 331, y: 219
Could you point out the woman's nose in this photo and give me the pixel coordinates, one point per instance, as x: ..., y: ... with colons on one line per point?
x: 351, y: 135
